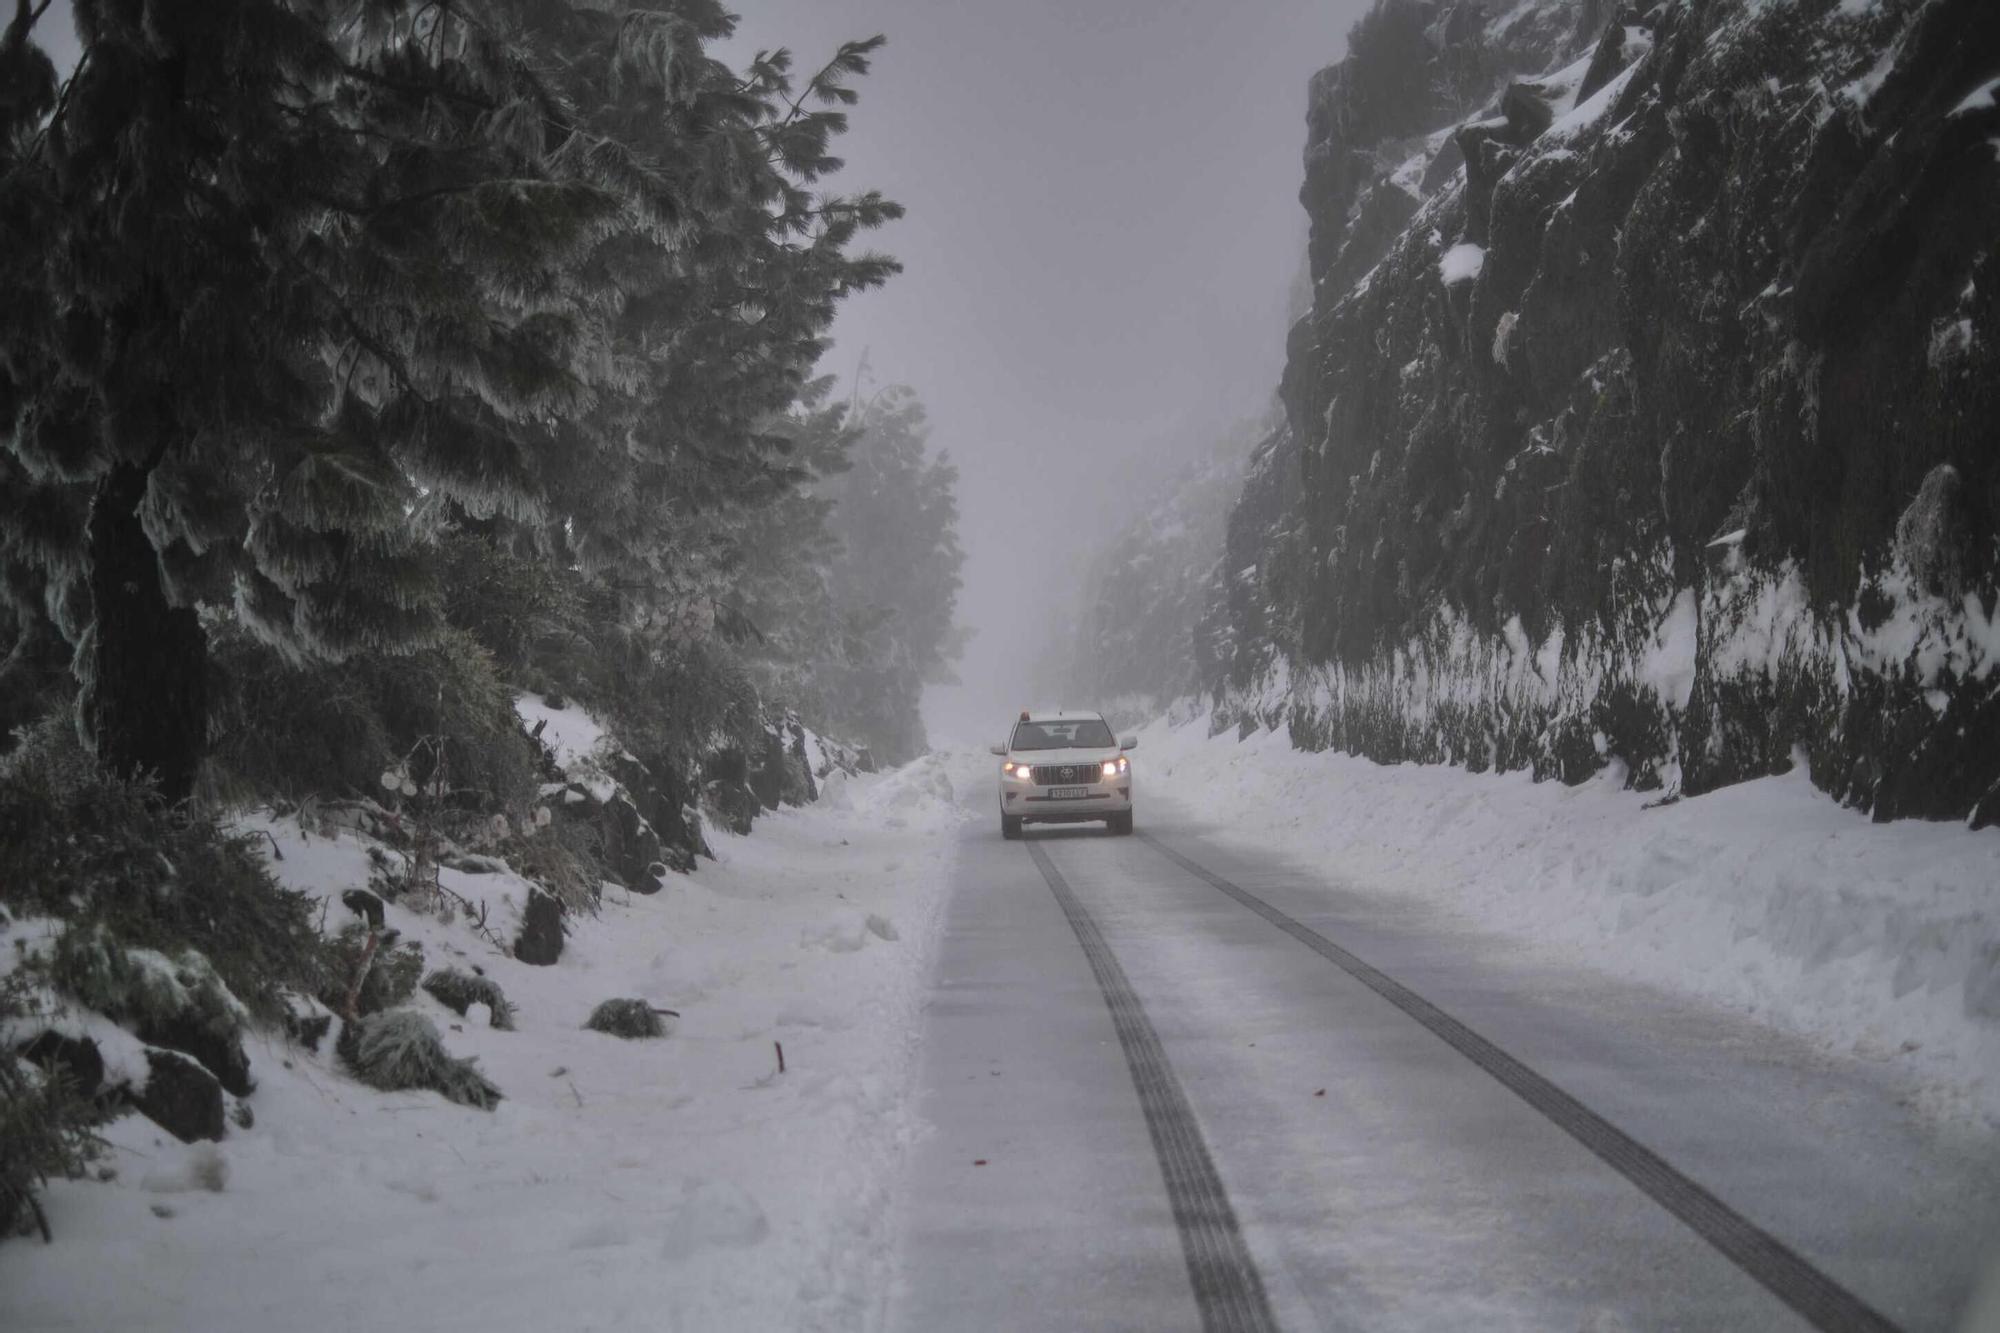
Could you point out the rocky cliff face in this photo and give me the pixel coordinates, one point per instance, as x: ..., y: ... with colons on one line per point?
x: 1648, y: 412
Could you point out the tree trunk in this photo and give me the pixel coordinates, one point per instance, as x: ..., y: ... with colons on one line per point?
x: 149, y: 706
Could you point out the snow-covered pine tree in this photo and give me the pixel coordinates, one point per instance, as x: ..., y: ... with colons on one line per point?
x: 723, y: 318
x: 793, y: 634
x: 38, y: 521
x: 294, y: 261
x: 895, y: 583
x: 297, y: 283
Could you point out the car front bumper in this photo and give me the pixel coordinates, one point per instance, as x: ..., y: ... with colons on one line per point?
x: 1034, y: 805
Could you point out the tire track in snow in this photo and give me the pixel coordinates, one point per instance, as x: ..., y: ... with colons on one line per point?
x: 1227, y: 1287
x: 1816, y: 1297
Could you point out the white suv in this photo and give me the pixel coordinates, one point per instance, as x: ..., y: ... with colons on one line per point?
x: 1064, y: 768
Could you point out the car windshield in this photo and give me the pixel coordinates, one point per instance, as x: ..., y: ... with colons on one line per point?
x: 1084, y: 733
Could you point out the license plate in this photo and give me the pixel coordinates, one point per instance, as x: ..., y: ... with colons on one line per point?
x: 1069, y: 793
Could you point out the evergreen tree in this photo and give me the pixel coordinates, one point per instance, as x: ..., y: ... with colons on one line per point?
x: 292, y: 285
x: 792, y: 632
x: 895, y: 583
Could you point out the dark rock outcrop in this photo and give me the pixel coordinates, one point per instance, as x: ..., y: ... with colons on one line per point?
x: 77, y: 1059
x: 366, y: 905
x: 1645, y: 410
x: 219, y: 1052
x: 181, y: 1097
x: 540, y: 941
x: 780, y: 774
x: 727, y: 794
x: 733, y: 804
x: 665, y: 801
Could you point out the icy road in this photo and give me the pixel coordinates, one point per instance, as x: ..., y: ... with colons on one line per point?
x: 1176, y: 1085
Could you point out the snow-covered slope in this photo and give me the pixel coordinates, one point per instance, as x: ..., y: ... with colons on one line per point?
x: 679, y: 1183
x: 1878, y: 940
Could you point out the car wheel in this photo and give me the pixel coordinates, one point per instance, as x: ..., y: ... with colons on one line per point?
x: 1121, y: 823
x: 1010, y: 826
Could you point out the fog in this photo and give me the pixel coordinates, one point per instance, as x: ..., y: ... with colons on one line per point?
x: 1103, y: 228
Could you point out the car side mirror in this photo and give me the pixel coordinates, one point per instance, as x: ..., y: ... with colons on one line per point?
x: 996, y: 749
x: 1128, y: 742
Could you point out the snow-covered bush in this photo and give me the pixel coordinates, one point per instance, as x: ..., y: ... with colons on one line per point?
x: 631, y: 1019
x: 144, y: 985
x: 104, y: 855
x: 45, y: 1124
x: 175, y: 1001
x: 566, y: 858
x: 401, y: 1049
x: 328, y: 730
x: 459, y: 991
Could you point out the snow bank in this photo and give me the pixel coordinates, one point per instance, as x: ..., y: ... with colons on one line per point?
x: 680, y: 1183
x: 1462, y: 263
x: 576, y: 739
x: 571, y: 733
x: 1879, y: 940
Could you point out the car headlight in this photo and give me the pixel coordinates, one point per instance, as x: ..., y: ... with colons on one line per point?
x: 1115, y: 767
x: 1015, y: 770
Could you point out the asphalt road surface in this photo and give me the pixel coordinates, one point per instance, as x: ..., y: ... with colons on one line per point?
x: 1176, y: 1087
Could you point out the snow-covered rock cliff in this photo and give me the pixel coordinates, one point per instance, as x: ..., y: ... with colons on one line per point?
x: 1645, y: 414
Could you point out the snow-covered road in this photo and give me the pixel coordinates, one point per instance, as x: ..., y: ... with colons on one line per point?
x: 1378, y: 1177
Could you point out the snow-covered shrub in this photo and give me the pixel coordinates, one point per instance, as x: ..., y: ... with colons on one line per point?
x: 631, y: 1019
x: 401, y: 1049
x: 392, y: 972
x: 103, y: 854
x: 665, y: 697
x: 566, y: 858
x: 144, y: 985
x: 174, y: 1001
x: 329, y: 729
x: 459, y: 991
x: 45, y: 1124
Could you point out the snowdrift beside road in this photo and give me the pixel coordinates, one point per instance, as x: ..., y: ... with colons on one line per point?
x: 679, y: 1183
x: 1879, y: 940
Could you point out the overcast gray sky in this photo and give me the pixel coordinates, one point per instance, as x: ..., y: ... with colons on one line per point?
x: 1103, y: 226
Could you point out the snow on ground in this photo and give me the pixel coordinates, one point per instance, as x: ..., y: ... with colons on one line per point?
x: 1879, y: 940
x: 682, y: 1183
x: 575, y: 738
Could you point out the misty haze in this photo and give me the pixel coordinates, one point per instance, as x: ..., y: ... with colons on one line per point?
x: 935, y: 665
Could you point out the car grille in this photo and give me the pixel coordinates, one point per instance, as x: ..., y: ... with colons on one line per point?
x: 1067, y: 775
